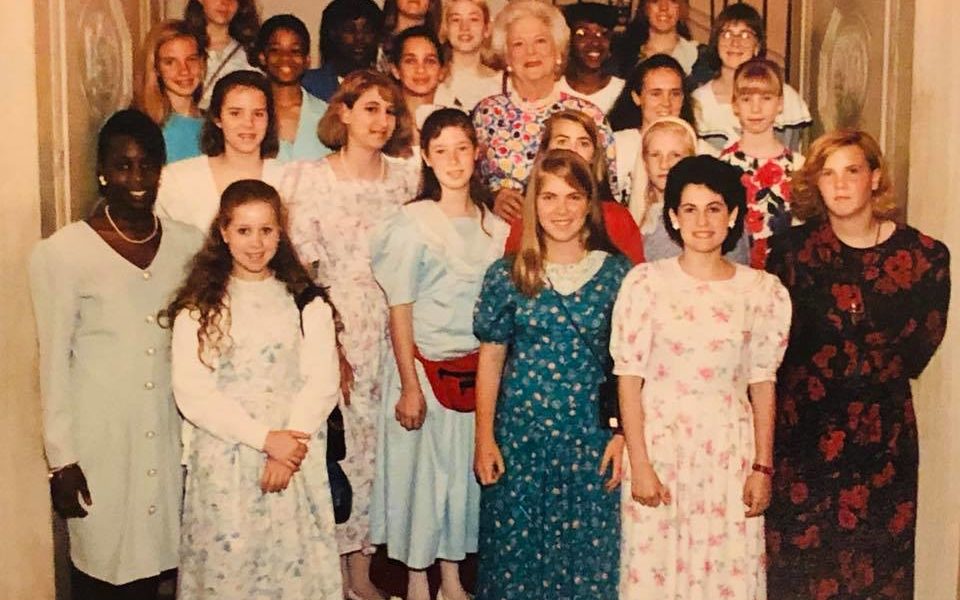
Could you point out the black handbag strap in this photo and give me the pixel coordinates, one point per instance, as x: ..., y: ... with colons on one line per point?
x: 573, y: 323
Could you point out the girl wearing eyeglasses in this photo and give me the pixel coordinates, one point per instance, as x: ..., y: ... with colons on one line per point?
x: 738, y: 35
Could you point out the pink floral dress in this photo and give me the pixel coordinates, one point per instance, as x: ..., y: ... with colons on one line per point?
x: 697, y: 345
x: 330, y: 222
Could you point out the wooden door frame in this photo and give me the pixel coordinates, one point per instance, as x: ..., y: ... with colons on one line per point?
x: 57, y: 195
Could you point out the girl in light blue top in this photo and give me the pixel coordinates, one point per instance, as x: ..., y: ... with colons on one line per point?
x: 168, y: 88
x: 430, y: 259
x: 283, y: 49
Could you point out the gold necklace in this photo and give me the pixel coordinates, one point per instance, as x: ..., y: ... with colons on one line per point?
x: 153, y: 234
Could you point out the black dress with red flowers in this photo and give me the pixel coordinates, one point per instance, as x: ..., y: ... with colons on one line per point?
x: 865, y: 321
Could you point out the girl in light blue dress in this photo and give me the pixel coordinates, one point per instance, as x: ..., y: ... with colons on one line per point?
x: 430, y: 259
x: 255, y: 374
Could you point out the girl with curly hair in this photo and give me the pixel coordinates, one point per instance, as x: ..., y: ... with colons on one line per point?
x: 255, y: 378
x: 228, y: 30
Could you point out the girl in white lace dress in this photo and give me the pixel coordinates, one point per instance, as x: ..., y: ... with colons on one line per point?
x: 255, y: 379
x: 334, y: 205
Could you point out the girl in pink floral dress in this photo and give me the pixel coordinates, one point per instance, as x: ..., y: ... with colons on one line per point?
x: 696, y: 343
x: 334, y: 204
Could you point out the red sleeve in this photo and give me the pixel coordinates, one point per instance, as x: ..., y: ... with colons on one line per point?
x: 622, y: 231
x: 512, y: 245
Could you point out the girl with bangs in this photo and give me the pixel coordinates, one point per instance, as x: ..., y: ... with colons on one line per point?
x: 739, y: 35
x: 767, y: 164
x: 549, y: 525
x: 255, y: 374
x: 430, y: 259
x: 335, y: 203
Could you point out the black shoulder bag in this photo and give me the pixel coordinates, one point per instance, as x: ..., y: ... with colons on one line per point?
x: 341, y: 492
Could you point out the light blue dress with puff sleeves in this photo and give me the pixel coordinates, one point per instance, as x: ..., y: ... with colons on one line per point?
x: 426, y: 500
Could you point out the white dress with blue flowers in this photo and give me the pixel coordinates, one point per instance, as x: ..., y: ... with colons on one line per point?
x: 238, y: 542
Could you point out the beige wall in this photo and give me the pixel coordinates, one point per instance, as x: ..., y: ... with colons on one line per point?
x: 934, y: 207
x: 26, y: 563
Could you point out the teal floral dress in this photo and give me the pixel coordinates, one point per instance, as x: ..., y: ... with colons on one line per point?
x: 547, y: 527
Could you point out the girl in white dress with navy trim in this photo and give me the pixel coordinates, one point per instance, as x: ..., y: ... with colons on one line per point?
x: 430, y: 260
x: 256, y: 378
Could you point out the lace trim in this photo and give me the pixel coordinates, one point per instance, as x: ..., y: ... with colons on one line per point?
x: 568, y: 278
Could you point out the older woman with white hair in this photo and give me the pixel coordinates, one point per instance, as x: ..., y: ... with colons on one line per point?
x: 531, y: 38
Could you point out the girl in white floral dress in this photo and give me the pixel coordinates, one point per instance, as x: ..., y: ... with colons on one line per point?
x: 255, y: 379
x: 334, y: 205
x: 696, y: 342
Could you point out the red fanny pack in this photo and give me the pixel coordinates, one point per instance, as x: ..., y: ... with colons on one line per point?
x: 453, y: 381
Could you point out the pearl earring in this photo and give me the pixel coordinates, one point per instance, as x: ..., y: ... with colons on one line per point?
x: 675, y: 224
x: 102, y: 180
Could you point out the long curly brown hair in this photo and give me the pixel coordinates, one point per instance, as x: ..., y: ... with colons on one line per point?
x: 204, y: 293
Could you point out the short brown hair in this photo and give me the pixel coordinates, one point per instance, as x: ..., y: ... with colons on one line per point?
x: 807, y: 201
x: 333, y: 133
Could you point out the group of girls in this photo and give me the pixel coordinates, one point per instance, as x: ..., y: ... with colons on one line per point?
x: 414, y: 261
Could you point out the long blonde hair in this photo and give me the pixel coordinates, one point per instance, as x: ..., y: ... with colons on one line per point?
x: 528, y: 269
x: 641, y: 190
x: 148, y: 93
x: 807, y: 201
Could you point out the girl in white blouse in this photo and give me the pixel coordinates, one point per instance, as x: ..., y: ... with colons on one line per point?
x: 255, y: 379
x: 238, y: 140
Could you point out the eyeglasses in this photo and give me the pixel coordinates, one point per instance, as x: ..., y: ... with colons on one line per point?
x: 743, y: 36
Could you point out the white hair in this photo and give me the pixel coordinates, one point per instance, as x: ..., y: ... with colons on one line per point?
x: 517, y: 9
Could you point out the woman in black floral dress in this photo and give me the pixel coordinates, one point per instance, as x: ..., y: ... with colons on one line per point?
x: 870, y: 303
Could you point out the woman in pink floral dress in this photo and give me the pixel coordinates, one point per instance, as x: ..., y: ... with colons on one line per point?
x: 334, y: 204
x: 692, y: 335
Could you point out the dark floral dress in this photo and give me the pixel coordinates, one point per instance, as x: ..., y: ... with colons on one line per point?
x: 865, y: 322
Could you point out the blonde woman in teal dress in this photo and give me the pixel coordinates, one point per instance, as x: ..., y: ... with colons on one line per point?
x: 549, y: 524
x: 430, y: 259
x: 110, y: 426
